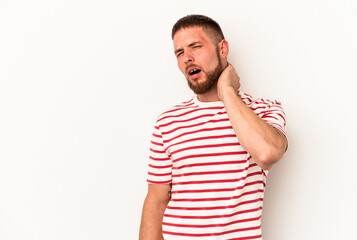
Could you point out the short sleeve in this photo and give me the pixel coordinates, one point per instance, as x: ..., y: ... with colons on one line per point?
x: 160, y: 164
x: 270, y: 111
x: 275, y: 116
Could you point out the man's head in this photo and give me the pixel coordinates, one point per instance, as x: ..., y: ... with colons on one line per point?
x: 201, y: 51
x: 211, y: 27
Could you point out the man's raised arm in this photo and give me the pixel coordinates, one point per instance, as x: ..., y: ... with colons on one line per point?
x: 264, y: 143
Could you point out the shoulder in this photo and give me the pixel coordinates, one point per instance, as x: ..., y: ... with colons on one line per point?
x: 259, y: 105
x: 177, y: 109
x: 250, y: 100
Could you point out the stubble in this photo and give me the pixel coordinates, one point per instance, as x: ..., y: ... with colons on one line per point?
x: 211, y: 78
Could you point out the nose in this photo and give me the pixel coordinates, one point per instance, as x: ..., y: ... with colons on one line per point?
x: 188, y: 57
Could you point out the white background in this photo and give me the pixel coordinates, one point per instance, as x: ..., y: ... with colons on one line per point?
x: 82, y: 83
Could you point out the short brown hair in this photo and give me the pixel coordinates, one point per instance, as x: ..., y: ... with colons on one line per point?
x: 211, y: 27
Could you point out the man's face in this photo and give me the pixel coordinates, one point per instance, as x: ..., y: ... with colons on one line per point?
x: 198, y: 58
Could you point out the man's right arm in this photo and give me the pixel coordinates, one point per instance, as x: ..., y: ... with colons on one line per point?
x: 154, y: 207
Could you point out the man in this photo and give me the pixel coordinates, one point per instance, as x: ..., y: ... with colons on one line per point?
x: 210, y: 155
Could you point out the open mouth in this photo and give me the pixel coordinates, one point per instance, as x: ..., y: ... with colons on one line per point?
x: 194, y: 71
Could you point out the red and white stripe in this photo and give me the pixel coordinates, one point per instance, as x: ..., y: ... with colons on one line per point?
x: 217, y: 189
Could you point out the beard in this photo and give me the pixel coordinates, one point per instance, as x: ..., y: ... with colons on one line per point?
x: 211, y: 79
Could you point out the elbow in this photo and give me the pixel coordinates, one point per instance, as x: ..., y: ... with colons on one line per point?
x: 266, y: 161
x: 269, y: 157
x: 272, y: 151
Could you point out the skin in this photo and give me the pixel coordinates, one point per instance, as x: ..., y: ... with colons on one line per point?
x: 154, y: 207
x: 266, y: 144
x: 194, y: 48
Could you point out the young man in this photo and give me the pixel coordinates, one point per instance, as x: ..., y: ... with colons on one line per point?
x: 210, y: 155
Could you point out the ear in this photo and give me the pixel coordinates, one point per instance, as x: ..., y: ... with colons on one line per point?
x: 223, y: 47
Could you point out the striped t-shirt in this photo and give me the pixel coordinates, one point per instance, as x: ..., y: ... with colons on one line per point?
x: 217, y: 188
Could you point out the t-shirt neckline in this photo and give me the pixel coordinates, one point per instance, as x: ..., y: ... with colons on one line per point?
x: 207, y: 104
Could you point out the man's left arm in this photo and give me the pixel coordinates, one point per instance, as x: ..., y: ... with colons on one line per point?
x: 264, y: 143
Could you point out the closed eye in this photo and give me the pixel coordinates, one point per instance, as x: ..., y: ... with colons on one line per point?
x: 178, y: 52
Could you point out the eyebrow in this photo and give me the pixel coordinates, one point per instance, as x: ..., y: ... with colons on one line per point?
x: 190, y: 45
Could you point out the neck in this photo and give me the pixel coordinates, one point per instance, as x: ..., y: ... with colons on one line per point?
x: 210, y: 96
